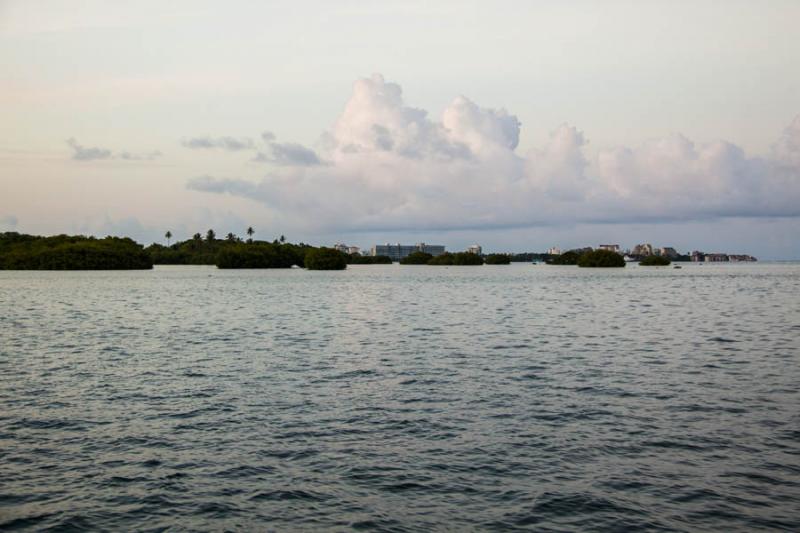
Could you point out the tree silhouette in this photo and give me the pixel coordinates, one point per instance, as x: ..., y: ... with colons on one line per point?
x: 250, y: 232
x: 282, y: 239
x: 210, y: 235
x: 231, y: 237
x: 168, y: 235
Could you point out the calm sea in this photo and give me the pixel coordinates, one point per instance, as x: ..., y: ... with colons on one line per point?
x: 402, y: 398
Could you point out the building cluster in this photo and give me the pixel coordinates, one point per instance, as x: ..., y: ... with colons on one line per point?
x: 646, y: 249
x: 398, y: 251
x: 701, y: 257
x: 347, y: 249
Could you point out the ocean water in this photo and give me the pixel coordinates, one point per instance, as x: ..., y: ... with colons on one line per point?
x: 402, y: 398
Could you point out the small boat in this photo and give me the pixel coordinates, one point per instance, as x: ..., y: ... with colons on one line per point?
x: 677, y: 266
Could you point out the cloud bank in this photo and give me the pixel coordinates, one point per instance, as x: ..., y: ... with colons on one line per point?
x: 93, y: 153
x: 387, y: 166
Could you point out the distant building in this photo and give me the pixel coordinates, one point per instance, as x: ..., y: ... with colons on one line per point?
x: 741, y: 257
x: 609, y: 247
x: 344, y: 248
x: 398, y: 251
x: 475, y: 249
x: 697, y: 256
x: 555, y: 250
x: 667, y: 251
x: 642, y: 250
x: 716, y: 258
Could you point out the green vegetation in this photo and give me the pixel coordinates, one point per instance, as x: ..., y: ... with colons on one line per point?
x: 529, y: 257
x: 445, y: 259
x: 456, y: 259
x: 260, y: 255
x: 325, y: 259
x: 416, y: 258
x: 601, y: 259
x: 498, y: 259
x: 65, y: 252
x: 358, y: 259
x: 655, y: 260
x: 567, y: 258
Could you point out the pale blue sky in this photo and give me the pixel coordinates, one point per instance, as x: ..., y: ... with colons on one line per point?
x: 141, y: 77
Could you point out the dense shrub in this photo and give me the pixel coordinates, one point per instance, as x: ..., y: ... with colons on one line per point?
x: 467, y: 258
x: 358, y: 259
x: 601, y: 259
x: 456, y: 259
x: 498, y: 259
x: 256, y: 255
x: 65, y: 252
x: 655, y: 260
x: 567, y: 258
x: 325, y: 259
x: 416, y: 258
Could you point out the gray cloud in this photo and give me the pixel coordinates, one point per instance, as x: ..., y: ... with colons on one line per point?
x: 289, y: 154
x: 268, y: 136
x: 87, y: 153
x: 8, y: 222
x: 231, y: 144
x: 148, y: 156
x: 237, y: 187
x: 92, y: 153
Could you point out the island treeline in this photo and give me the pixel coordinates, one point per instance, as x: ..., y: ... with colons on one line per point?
x: 77, y: 252
x: 71, y: 252
x: 455, y: 259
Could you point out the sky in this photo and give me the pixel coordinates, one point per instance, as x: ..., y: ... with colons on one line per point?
x: 515, y: 125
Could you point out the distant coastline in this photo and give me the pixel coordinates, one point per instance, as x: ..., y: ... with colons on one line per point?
x: 77, y: 252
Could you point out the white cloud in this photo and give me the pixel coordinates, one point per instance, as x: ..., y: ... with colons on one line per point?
x: 390, y: 166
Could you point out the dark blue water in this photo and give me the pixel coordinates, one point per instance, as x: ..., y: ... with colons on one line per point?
x: 402, y: 398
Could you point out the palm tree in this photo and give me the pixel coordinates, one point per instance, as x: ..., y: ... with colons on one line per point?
x: 210, y: 235
x: 231, y: 237
x: 168, y: 235
x: 250, y: 232
x: 283, y: 239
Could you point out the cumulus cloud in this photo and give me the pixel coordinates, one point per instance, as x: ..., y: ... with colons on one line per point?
x: 390, y: 166
x: 92, y: 153
x: 232, y: 144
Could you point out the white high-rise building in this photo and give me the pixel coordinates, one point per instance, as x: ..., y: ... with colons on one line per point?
x: 475, y: 249
x: 555, y: 250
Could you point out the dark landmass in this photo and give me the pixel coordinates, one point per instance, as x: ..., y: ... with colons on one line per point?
x: 601, y: 259
x: 530, y: 257
x: 71, y: 252
x: 358, y: 259
x: 498, y: 259
x: 325, y: 259
x: 416, y: 258
x: 567, y: 258
x: 655, y: 260
x: 260, y: 255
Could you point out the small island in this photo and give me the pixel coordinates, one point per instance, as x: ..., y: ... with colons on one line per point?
x: 655, y: 260
x: 601, y: 259
x: 76, y: 252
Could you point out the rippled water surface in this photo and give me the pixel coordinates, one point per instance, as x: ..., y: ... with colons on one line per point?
x: 402, y: 398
